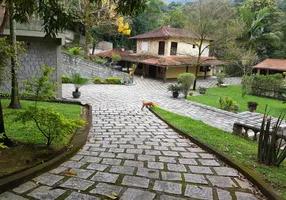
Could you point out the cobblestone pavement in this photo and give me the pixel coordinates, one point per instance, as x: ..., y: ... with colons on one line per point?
x: 131, y: 153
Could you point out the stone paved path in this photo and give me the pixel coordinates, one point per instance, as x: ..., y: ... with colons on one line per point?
x: 132, y: 153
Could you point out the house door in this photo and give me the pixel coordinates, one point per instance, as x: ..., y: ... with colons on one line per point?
x: 161, y: 50
x: 152, y: 71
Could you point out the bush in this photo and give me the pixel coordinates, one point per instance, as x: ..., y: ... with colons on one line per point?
x: 186, y: 80
x: 113, y: 80
x: 220, y: 80
x: 98, y: 60
x: 66, y: 79
x: 115, y: 58
x: 174, y: 88
x: 53, y: 125
x: 78, y: 81
x: 227, y: 103
x: 97, y: 81
x: 75, y: 51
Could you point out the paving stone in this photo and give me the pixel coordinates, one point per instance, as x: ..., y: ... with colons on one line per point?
x: 155, y: 165
x: 243, y: 196
x: 178, y: 148
x: 199, y: 192
x: 105, y: 177
x: 107, y: 155
x: 25, y: 187
x: 98, y: 167
x: 195, y: 178
x: 206, y: 155
x: 153, y: 152
x: 169, y: 187
x: 219, y: 181
x: 200, y: 170
x: 188, y: 161
x: 223, y: 194
x: 106, y: 189
x: 11, y: 196
x: 58, y: 170
x: 209, y: 162
x: 176, y: 167
x: 111, y: 161
x: 48, y: 179
x: 135, y: 181
x: 150, y: 173
x: 82, y: 173
x: 196, y: 150
x: 97, y: 149
x: 171, y: 176
x: 77, y: 157
x: 77, y: 183
x: 46, y: 193
x: 132, y: 163
x: 79, y: 196
x: 122, y: 170
x: 116, y: 150
x: 243, y: 183
x: 146, y: 157
x: 144, y: 147
x: 126, y: 156
x: 170, y: 153
x: 130, y: 194
x: 189, y: 155
x: 225, y: 171
x: 167, y: 159
x: 73, y: 164
x: 165, y: 197
x: 91, y: 159
x: 161, y: 148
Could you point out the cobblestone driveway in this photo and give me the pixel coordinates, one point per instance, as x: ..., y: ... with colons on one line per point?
x: 135, y: 155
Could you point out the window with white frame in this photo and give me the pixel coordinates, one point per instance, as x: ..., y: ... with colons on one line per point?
x: 144, y: 46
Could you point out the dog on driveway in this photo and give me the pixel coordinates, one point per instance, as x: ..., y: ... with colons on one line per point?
x: 147, y: 104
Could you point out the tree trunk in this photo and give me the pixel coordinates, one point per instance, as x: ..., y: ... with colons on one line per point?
x: 5, y: 140
x: 195, y: 82
x: 87, y: 28
x: 15, y: 103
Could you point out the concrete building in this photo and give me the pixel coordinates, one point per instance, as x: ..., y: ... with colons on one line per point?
x: 167, y: 52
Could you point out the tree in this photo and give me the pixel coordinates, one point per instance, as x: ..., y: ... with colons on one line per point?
x: 209, y: 20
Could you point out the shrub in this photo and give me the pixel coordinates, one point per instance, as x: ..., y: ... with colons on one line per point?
x: 113, y: 80
x: 270, y: 148
x: 186, y: 80
x: 115, y: 58
x: 98, y: 60
x: 220, y: 80
x: 53, y: 125
x: 75, y: 51
x: 78, y: 81
x: 174, y: 88
x: 227, y: 103
x: 97, y: 81
x: 66, y: 79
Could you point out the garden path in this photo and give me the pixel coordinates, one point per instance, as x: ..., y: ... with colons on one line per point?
x: 134, y: 154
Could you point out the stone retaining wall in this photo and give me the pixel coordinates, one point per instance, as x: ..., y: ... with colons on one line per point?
x: 72, y: 64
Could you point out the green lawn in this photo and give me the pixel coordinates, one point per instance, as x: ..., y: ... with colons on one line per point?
x: 29, y: 133
x: 242, y: 150
x: 212, y: 96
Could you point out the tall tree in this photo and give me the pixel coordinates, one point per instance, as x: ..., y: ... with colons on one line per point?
x: 209, y: 20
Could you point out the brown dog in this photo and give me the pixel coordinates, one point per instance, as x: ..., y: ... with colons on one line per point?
x: 147, y: 104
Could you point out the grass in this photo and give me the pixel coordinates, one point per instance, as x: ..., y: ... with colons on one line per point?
x: 29, y: 133
x: 212, y: 96
x: 242, y: 150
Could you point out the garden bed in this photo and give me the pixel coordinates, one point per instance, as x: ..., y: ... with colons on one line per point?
x: 243, y: 151
x: 29, y: 149
x: 213, y: 95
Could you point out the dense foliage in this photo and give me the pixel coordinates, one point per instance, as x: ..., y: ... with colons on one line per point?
x: 186, y: 80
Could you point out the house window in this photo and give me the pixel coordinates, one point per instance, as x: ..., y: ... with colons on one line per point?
x: 144, y: 46
x: 174, y: 46
x: 161, y: 50
x: 194, y: 46
x: 205, y: 68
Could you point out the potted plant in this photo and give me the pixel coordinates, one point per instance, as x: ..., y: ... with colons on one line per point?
x: 252, y: 106
x: 175, y: 88
x: 202, y: 90
x: 78, y: 81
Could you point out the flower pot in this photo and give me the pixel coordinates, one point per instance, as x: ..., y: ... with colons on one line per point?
x: 251, y: 109
x: 175, y: 94
x: 202, y: 91
x: 76, y: 94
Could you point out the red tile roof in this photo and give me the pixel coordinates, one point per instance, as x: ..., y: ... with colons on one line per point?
x: 160, y: 61
x: 166, y: 32
x: 273, y: 64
